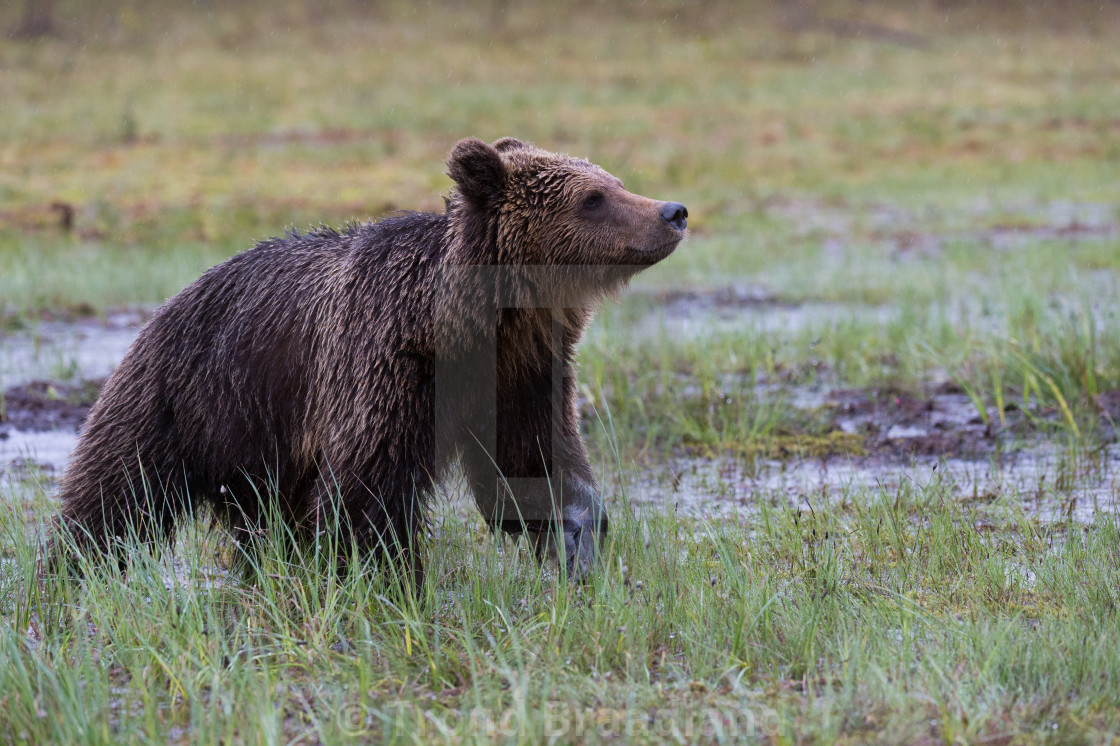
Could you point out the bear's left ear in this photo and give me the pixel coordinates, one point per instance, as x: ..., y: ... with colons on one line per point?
x: 508, y: 143
x: 478, y: 170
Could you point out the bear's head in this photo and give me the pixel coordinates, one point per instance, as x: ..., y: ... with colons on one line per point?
x: 519, y: 205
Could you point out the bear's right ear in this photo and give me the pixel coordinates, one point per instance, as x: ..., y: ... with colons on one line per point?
x: 478, y: 170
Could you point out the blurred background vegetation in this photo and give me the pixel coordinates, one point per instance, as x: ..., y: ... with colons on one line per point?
x: 951, y: 165
x: 165, y: 125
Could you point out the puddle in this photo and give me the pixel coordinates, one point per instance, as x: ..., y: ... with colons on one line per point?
x: 27, y: 454
x: 61, y: 351
x: 1041, y: 220
x: 918, y: 438
x: 38, y: 430
x: 33, y: 456
x: 1088, y: 217
x: 692, y: 315
x: 925, y: 233
x: 813, y: 217
x: 48, y: 450
x: 1040, y: 476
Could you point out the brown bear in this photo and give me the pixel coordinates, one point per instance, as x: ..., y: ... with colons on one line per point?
x: 341, y: 373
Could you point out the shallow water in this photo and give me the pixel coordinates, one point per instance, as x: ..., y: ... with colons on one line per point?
x: 1046, y: 481
x: 1040, y: 472
x: 1002, y: 225
x: 48, y: 450
x: 59, y: 351
x: 88, y: 349
x: 693, y: 317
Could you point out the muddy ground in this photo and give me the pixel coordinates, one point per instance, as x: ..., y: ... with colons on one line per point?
x: 51, y: 372
x: 44, y: 405
x: 936, y: 434
x: 942, y: 422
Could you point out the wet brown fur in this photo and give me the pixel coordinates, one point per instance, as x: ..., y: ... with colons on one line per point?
x: 305, y: 373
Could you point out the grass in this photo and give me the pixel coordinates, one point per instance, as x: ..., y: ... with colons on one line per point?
x: 884, y: 214
x: 900, y: 614
x: 1050, y: 353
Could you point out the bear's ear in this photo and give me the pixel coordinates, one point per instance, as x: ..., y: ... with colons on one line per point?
x: 477, y: 169
x: 508, y: 143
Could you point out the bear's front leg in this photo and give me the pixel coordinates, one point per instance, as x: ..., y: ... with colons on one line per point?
x: 517, y: 433
x: 582, y: 530
x: 561, y: 511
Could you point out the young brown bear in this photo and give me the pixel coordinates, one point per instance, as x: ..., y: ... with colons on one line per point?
x: 347, y: 371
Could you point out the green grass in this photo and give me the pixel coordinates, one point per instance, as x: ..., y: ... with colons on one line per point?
x: 883, y: 218
x: 1042, y: 335
x: 892, y: 614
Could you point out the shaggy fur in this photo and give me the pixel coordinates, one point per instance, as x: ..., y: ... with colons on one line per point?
x: 350, y: 369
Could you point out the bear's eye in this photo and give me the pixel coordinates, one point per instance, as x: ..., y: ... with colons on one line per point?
x: 593, y: 200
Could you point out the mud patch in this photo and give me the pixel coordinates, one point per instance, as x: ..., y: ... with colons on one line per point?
x: 50, y: 374
x: 39, y: 425
x: 943, y: 423
x: 45, y: 405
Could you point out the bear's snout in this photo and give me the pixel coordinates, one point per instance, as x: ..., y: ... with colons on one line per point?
x: 675, y: 214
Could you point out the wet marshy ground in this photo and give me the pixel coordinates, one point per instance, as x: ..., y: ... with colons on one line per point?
x: 49, y: 379
x: 884, y: 438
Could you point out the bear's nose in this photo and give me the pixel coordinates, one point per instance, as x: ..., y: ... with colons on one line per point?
x: 675, y: 214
